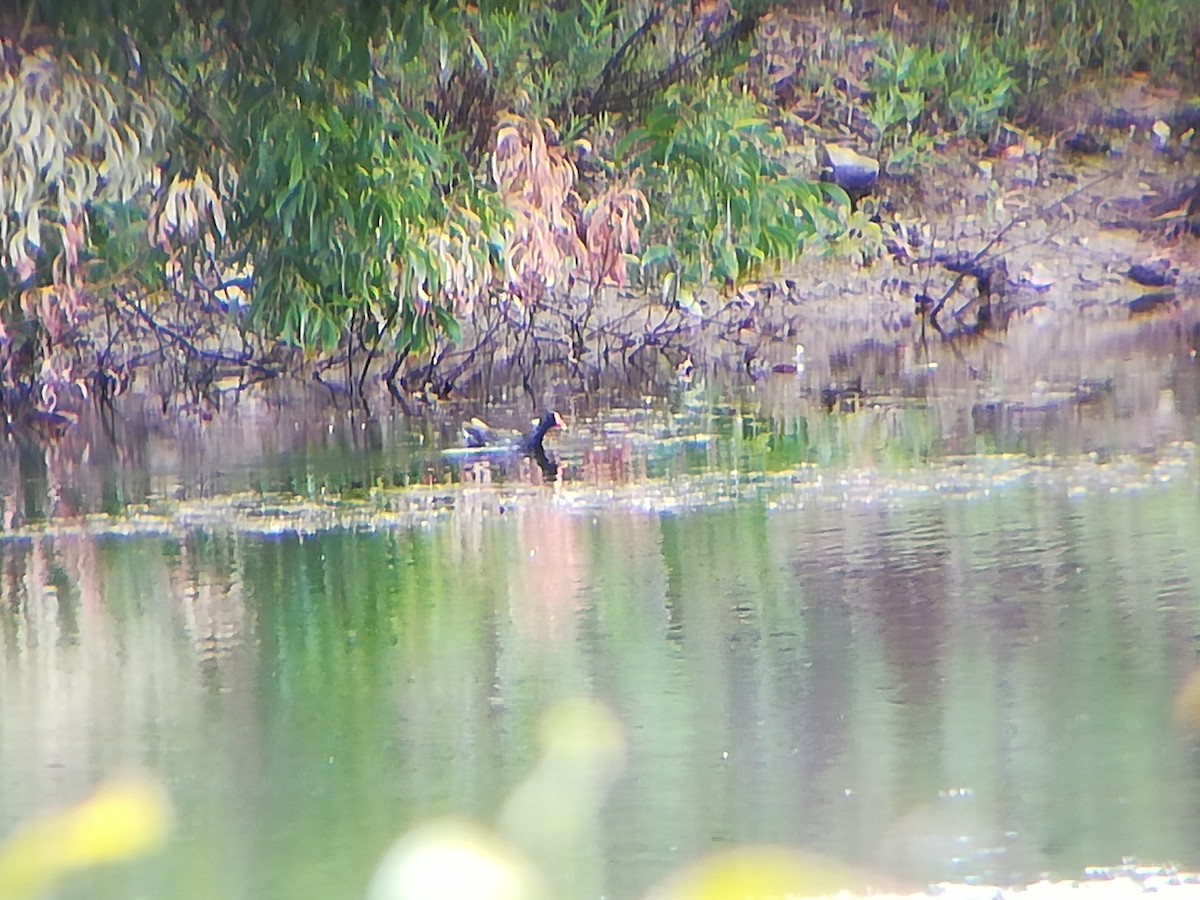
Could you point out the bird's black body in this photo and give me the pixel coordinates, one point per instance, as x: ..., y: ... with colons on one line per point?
x: 482, y: 437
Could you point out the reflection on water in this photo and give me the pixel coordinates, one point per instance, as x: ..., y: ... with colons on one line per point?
x: 935, y: 687
x: 1105, y: 384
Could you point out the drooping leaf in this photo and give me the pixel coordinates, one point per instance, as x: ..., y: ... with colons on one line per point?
x: 448, y: 324
x: 655, y: 254
x: 412, y: 33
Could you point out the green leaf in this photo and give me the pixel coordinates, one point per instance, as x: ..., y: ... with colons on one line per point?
x: 404, y: 337
x: 295, y: 170
x: 728, y: 260
x: 360, y: 59
x: 412, y: 34
x: 448, y: 324
x: 634, y: 136
x: 837, y: 195
x: 655, y: 254
x: 420, y: 333
x: 329, y: 333
x: 662, y: 122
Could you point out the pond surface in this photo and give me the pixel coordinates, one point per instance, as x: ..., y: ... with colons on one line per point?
x: 959, y: 669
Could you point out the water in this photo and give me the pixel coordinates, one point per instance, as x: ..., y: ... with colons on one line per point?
x: 931, y: 683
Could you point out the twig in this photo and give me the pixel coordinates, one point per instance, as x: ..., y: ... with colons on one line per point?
x: 999, y: 236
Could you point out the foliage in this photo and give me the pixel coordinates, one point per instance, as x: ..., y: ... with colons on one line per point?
x: 73, y: 137
x: 905, y: 85
x: 1048, y: 44
x: 550, y: 235
x: 722, y: 202
x: 919, y: 91
x: 349, y: 207
x: 980, y: 88
x: 540, y: 55
x: 959, y: 72
x: 321, y: 161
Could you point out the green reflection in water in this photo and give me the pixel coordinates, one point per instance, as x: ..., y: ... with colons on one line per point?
x: 893, y: 686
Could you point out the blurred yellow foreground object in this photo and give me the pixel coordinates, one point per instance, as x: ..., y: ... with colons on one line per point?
x: 1187, y: 703
x: 583, y: 751
x: 452, y: 859
x: 760, y: 873
x: 124, y: 818
x: 549, y: 836
x: 554, y: 815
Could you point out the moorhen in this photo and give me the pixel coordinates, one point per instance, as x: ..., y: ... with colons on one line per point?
x: 479, y: 435
x: 482, y: 438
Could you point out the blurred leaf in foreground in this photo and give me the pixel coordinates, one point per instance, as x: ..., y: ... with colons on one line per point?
x: 126, y: 817
x: 759, y: 873
x: 1187, y: 703
x: 454, y: 860
x: 554, y: 814
x: 549, y: 827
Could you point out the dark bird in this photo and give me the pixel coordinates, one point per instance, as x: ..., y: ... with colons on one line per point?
x: 1153, y: 273
x: 480, y: 435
